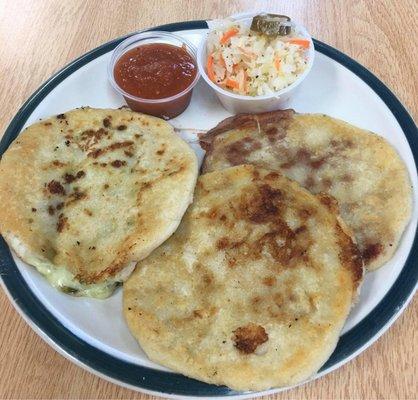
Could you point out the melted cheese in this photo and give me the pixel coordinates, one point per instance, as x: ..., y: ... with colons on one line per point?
x: 64, y: 280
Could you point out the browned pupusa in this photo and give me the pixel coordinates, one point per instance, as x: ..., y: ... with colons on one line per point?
x: 87, y: 193
x: 358, y: 168
x: 252, y: 289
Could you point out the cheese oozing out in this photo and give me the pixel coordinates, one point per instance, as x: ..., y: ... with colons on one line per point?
x: 62, y: 279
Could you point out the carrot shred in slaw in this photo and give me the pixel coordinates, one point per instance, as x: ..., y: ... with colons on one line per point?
x: 228, y: 35
x: 304, y: 43
x: 231, y: 83
x: 277, y: 63
x: 211, y: 73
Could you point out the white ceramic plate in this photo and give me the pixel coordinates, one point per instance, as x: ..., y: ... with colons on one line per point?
x: 93, y: 334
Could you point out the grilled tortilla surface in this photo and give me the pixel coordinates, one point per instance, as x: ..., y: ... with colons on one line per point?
x: 252, y: 289
x: 361, y: 170
x: 87, y: 193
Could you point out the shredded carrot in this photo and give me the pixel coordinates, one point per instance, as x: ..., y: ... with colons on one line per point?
x: 228, y: 34
x: 231, y: 83
x: 277, y: 63
x: 304, y: 43
x: 211, y: 73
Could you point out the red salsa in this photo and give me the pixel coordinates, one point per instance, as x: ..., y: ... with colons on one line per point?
x: 155, y: 71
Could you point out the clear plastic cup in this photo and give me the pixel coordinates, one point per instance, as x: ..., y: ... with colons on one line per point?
x: 168, y: 107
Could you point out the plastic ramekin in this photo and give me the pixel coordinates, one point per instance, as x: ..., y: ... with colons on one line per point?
x: 168, y: 107
x: 236, y: 103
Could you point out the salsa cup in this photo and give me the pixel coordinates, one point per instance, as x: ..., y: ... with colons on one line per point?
x: 168, y: 107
